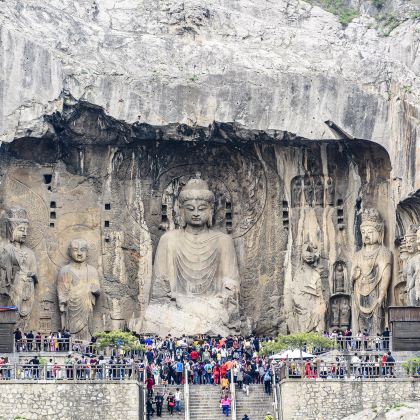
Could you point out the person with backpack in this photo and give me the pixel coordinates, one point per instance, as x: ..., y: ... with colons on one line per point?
x: 267, y: 382
x: 268, y: 416
x: 171, y: 403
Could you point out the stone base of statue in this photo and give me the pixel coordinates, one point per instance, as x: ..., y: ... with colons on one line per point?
x: 191, y: 316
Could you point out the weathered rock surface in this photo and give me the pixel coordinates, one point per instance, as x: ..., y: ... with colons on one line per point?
x: 270, y: 64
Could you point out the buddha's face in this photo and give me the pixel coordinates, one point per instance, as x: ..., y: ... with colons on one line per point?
x: 411, y: 244
x: 20, y: 232
x: 310, y: 253
x: 370, y: 235
x: 197, y: 212
x: 78, y: 251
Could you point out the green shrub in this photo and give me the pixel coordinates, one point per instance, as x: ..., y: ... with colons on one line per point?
x: 411, y: 366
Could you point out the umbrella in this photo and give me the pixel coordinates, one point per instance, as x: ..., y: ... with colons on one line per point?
x: 292, y: 354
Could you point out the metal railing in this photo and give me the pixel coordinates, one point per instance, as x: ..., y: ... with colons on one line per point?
x: 53, y: 345
x: 275, y: 396
x: 372, y: 369
x: 364, y: 343
x: 186, y: 394
x: 233, y: 394
x: 70, y: 372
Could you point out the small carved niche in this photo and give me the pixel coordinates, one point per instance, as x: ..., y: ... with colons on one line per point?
x: 340, y: 282
x: 340, y: 311
x: 340, y: 214
x: 285, y: 206
x: 229, y: 224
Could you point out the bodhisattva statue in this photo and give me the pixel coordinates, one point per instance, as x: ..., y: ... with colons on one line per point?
x: 412, y: 266
x: 18, y: 268
x: 195, y: 285
x: 77, y: 288
x: 372, y: 271
x: 308, y: 306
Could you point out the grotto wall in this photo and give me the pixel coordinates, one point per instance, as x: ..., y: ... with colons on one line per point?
x: 116, y: 186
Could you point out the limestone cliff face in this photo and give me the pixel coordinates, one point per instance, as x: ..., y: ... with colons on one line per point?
x: 285, y: 65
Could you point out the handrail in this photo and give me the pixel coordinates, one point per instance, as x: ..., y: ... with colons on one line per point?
x: 276, y: 402
x: 233, y: 394
x: 186, y: 394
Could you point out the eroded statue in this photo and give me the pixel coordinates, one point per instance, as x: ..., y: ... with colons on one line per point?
x: 307, y: 307
x: 371, y: 276
x: 195, y: 286
x: 77, y: 288
x: 18, y: 267
x: 412, y: 266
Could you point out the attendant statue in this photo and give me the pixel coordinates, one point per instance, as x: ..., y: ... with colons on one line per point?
x: 77, y: 289
x: 412, y: 266
x: 195, y: 286
x: 308, y: 307
x: 18, y: 268
x: 372, y: 271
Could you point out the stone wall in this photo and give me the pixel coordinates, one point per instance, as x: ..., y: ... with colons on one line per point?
x: 49, y: 400
x: 333, y: 399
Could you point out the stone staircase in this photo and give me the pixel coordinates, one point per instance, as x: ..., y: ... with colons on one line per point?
x: 166, y: 390
x: 205, y: 402
x: 255, y: 405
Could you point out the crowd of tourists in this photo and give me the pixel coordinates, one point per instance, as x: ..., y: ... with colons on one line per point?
x: 36, y: 342
x: 346, y: 340
x: 358, y: 366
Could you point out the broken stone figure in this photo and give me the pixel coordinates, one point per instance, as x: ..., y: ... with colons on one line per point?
x: 195, y: 285
x: 372, y: 271
x: 308, y: 304
x: 77, y: 289
x: 412, y: 266
x: 18, y: 268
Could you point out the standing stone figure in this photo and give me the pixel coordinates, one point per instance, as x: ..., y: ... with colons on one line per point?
x: 308, y: 307
x: 195, y: 285
x: 412, y: 266
x: 372, y: 271
x: 77, y: 288
x: 339, y: 278
x: 18, y: 268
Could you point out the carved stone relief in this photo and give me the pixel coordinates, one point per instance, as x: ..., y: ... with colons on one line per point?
x: 18, y: 267
x: 372, y: 272
x: 77, y: 289
x: 411, y: 271
x: 118, y: 187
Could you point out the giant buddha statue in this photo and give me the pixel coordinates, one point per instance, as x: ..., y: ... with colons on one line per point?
x: 372, y: 271
x: 195, y: 286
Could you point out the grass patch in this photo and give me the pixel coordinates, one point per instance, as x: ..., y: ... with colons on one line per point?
x: 337, y: 7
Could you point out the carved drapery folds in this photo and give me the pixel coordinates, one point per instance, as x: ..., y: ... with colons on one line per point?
x: 77, y: 289
x: 18, y: 267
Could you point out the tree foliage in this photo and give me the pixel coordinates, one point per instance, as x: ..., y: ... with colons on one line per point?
x: 412, y: 366
x: 297, y: 341
x: 118, y: 339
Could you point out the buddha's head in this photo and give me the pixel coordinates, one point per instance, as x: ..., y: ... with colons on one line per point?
x: 372, y: 227
x: 196, y: 203
x: 411, y: 239
x: 17, y: 225
x: 310, y: 253
x: 78, y: 250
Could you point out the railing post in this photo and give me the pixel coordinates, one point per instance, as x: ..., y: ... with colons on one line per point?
x: 186, y: 394
x: 233, y: 394
x: 276, y: 402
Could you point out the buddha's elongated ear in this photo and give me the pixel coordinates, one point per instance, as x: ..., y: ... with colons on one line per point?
x: 182, y: 222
